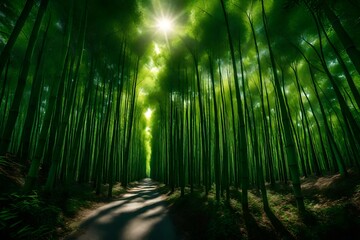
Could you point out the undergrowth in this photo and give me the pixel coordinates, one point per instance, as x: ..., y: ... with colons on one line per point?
x: 44, y: 215
x: 28, y: 217
x: 201, y: 217
x: 332, y: 203
x: 40, y: 214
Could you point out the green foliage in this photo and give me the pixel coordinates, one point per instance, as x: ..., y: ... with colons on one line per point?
x: 11, y: 174
x: 224, y: 224
x: 41, y: 215
x: 97, y: 133
x: 27, y: 217
x: 73, y: 205
x: 213, y: 220
x: 327, y: 217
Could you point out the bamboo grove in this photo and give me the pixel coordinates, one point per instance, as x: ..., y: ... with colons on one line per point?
x: 243, y: 93
x: 74, y: 104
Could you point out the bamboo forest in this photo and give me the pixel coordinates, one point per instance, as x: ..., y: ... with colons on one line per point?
x: 158, y: 119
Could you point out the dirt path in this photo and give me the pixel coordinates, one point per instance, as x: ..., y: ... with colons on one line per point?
x: 140, y: 214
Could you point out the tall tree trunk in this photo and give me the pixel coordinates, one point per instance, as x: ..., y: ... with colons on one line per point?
x: 268, y: 157
x: 313, y: 154
x: 346, y: 72
x: 348, y: 43
x: 15, y: 106
x: 73, y: 78
x: 55, y: 92
x: 289, y: 141
x: 242, y: 131
x: 203, y: 126
x: 5, y: 53
x: 225, y: 150
x: 101, y: 157
x: 217, y: 167
x: 33, y: 103
x: 2, y: 93
x: 130, y: 127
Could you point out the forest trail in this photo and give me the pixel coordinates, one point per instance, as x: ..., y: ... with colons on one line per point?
x: 141, y: 213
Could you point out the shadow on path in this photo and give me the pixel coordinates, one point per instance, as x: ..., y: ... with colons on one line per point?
x: 140, y: 214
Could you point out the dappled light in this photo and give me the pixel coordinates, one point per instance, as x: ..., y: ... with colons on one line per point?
x: 136, y: 216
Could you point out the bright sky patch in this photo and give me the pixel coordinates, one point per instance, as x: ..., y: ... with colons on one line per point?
x: 164, y: 24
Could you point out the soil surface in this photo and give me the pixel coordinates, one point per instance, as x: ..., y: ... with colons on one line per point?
x: 141, y: 213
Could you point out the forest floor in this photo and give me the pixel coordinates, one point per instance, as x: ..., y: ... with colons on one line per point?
x: 332, y: 203
x: 141, y: 213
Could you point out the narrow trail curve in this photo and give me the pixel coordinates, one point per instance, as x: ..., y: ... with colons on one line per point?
x: 140, y: 214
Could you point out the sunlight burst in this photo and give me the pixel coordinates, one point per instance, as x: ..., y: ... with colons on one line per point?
x: 148, y: 113
x: 164, y: 24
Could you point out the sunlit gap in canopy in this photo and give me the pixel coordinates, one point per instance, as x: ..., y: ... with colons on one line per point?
x: 165, y: 21
x: 148, y: 138
x: 164, y: 24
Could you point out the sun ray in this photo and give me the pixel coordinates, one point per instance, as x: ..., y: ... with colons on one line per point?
x: 164, y: 24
